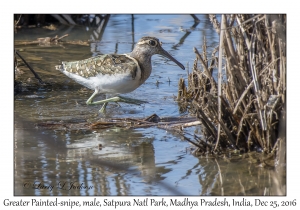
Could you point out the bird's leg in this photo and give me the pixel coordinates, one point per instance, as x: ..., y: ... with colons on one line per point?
x: 131, y: 100
x: 113, y: 99
x: 103, y: 108
x: 90, y: 102
x: 120, y: 99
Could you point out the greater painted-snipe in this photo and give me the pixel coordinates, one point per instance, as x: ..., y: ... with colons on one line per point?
x: 115, y: 74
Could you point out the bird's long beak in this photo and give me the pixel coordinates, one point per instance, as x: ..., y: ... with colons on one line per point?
x: 167, y: 55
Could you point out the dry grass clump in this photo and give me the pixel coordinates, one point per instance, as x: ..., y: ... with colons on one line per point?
x: 244, y: 108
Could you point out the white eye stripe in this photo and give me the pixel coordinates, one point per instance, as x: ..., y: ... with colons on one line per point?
x: 147, y: 42
x: 142, y: 42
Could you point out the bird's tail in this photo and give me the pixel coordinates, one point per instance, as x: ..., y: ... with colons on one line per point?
x: 59, y: 67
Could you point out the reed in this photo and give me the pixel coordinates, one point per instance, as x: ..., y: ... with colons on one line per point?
x: 243, y: 108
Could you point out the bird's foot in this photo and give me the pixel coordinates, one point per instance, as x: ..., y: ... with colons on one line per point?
x: 103, y: 108
x: 130, y: 100
x: 119, y: 105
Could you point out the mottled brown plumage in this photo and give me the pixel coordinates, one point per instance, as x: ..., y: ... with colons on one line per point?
x: 102, y: 64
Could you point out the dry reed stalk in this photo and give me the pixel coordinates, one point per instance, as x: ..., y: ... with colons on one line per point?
x: 249, y: 105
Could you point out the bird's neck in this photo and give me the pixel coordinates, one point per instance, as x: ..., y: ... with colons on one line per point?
x: 144, y: 60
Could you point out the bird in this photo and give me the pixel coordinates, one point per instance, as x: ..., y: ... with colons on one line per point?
x: 115, y: 74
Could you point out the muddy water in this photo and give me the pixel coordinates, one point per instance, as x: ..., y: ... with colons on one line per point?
x: 145, y: 161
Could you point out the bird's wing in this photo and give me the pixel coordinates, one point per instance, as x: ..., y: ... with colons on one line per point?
x: 108, y: 64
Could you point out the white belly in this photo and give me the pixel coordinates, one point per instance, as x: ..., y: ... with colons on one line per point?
x: 111, y: 84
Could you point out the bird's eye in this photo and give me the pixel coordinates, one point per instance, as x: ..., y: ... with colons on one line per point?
x: 152, y: 43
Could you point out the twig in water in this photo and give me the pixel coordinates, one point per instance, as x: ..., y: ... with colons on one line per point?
x: 31, y: 69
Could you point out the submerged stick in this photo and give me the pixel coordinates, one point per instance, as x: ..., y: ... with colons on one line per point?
x: 31, y: 69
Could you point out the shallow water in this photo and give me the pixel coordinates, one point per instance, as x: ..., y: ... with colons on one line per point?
x: 144, y: 161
